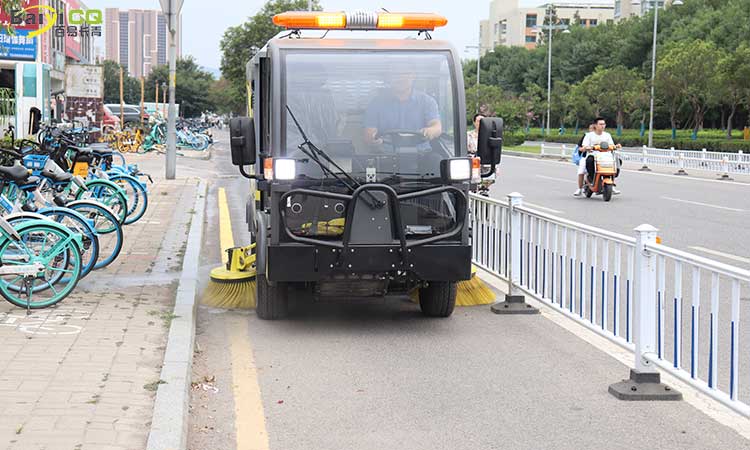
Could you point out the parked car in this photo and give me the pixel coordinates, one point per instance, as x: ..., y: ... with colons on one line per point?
x: 131, y: 113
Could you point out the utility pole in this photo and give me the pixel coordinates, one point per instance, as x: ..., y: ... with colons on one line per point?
x: 122, y: 103
x: 156, y: 97
x: 142, y: 93
x: 172, y: 10
x: 309, y: 5
x: 549, y: 70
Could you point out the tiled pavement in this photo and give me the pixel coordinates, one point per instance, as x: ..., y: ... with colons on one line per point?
x: 83, y: 375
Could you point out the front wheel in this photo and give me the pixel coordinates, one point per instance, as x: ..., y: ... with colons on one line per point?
x: 108, y: 194
x: 54, y: 248
x: 607, y: 192
x: 438, y: 298
x: 272, y: 301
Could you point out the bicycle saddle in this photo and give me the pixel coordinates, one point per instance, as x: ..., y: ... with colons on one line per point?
x: 16, y: 173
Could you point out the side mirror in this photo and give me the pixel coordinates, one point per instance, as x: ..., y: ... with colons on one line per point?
x: 490, y: 142
x: 242, y: 141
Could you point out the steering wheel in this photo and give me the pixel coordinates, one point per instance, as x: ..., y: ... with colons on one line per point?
x: 402, y: 137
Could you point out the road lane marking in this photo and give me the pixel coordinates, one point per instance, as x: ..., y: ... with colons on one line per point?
x: 226, y: 238
x: 708, y: 205
x: 543, y: 208
x: 555, y: 179
x: 250, y: 421
x: 722, y: 254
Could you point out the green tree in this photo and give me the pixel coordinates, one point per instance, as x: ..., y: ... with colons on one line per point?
x: 239, y: 43
x: 616, y: 90
x: 192, y: 86
x: 223, y: 98
x: 580, y: 109
x: 734, y: 78
x: 131, y: 87
x: 691, y: 66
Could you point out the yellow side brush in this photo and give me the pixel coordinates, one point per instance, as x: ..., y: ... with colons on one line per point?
x: 472, y: 292
x: 233, y: 284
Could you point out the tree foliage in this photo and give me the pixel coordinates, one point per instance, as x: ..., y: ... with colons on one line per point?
x: 192, y: 86
x: 239, y: 44
x: 702, y: 70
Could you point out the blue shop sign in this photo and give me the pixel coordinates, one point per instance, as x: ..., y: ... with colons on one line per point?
x: 18, y: 46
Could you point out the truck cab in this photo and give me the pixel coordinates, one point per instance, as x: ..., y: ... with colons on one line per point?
x: 356, y: 149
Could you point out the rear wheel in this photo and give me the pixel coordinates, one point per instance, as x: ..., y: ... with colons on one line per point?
x: 607, y: 192
x: 438, y: 299
x: 272, y: 301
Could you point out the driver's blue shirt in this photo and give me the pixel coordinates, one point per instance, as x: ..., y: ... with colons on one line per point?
x: 389, y: 113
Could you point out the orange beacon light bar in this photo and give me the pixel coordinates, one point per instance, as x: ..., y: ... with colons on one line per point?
x: 315, y: 20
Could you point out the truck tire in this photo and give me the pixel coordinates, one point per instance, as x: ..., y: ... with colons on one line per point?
x: 438, y: 299
x: 272, y: 301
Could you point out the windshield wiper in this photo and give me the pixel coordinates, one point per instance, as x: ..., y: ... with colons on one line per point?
x: 314, y: 153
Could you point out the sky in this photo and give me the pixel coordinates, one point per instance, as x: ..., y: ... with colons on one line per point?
x: 204, y: 21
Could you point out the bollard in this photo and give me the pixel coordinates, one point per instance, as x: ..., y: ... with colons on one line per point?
x: 541, y: 152
x: 563, y: 153
x: 725, y: 170
x: 644, y: 382
x: 681, y: 164
x: 515, y: 302
x: 644, y: 158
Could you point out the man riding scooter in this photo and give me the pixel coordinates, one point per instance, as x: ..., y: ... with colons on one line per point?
x: 591, y: 142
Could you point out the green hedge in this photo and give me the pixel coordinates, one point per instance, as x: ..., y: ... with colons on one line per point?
x: 661, y: 140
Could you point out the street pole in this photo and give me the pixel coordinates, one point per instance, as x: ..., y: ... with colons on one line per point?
x: 122, y: 103
x: 653, y: 79
x: 171, y: 166
x: 549, y: 69
x: 309, y: 5
x: 479, y: 68
x: 142, y: 92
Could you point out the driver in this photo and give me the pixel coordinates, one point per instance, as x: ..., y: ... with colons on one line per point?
x: 402, y: 108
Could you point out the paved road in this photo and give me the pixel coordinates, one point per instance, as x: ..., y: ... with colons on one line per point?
x: 690, y: 212
x: 376, y: 374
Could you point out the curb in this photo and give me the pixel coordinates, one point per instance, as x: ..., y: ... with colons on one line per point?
x: 169, y: 424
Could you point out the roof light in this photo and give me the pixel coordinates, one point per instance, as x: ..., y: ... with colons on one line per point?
x: 314, y: 20
x: 310, y: 20
x: 410, y: 21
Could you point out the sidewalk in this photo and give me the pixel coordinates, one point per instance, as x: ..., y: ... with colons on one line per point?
x: 84, y: 375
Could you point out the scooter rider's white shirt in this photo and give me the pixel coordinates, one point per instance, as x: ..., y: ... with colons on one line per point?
x: 592, y: 139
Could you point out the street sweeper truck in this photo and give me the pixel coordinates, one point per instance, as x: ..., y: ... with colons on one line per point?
x: 356, y: 148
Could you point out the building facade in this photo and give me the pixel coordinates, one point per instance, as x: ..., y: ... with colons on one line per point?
x: 32, y: 69
x: 510, y: 25
x: 629, y: 8
x: 138, y: 39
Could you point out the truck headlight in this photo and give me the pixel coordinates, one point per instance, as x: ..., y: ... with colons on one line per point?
x: 459, y: 169
x: 284, y: 169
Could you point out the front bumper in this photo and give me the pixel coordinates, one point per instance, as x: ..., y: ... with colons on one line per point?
x: 431, y: 262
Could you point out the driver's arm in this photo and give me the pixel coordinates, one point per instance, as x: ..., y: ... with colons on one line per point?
x: 431, y: 116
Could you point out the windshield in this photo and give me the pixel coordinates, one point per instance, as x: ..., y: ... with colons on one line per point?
x: 382, y: 116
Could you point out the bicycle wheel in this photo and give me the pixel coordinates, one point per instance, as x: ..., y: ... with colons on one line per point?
x: 55, y: 250
x: 108, y: 228
x: 77, y: 223
x: 136, y: 195
x: 108, y: 194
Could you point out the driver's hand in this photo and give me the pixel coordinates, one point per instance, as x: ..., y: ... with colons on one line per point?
x: 618, y: 146
x: 431, y: 133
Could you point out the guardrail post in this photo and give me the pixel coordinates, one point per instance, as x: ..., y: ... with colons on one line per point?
x: 564, y: 152
x: 681, y: 164
x: 541, y: 152
x: 725, y: 170
x: 645, y: 381
x: 644, y: 156
x: 515, y: 302
x: 703, y: 158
